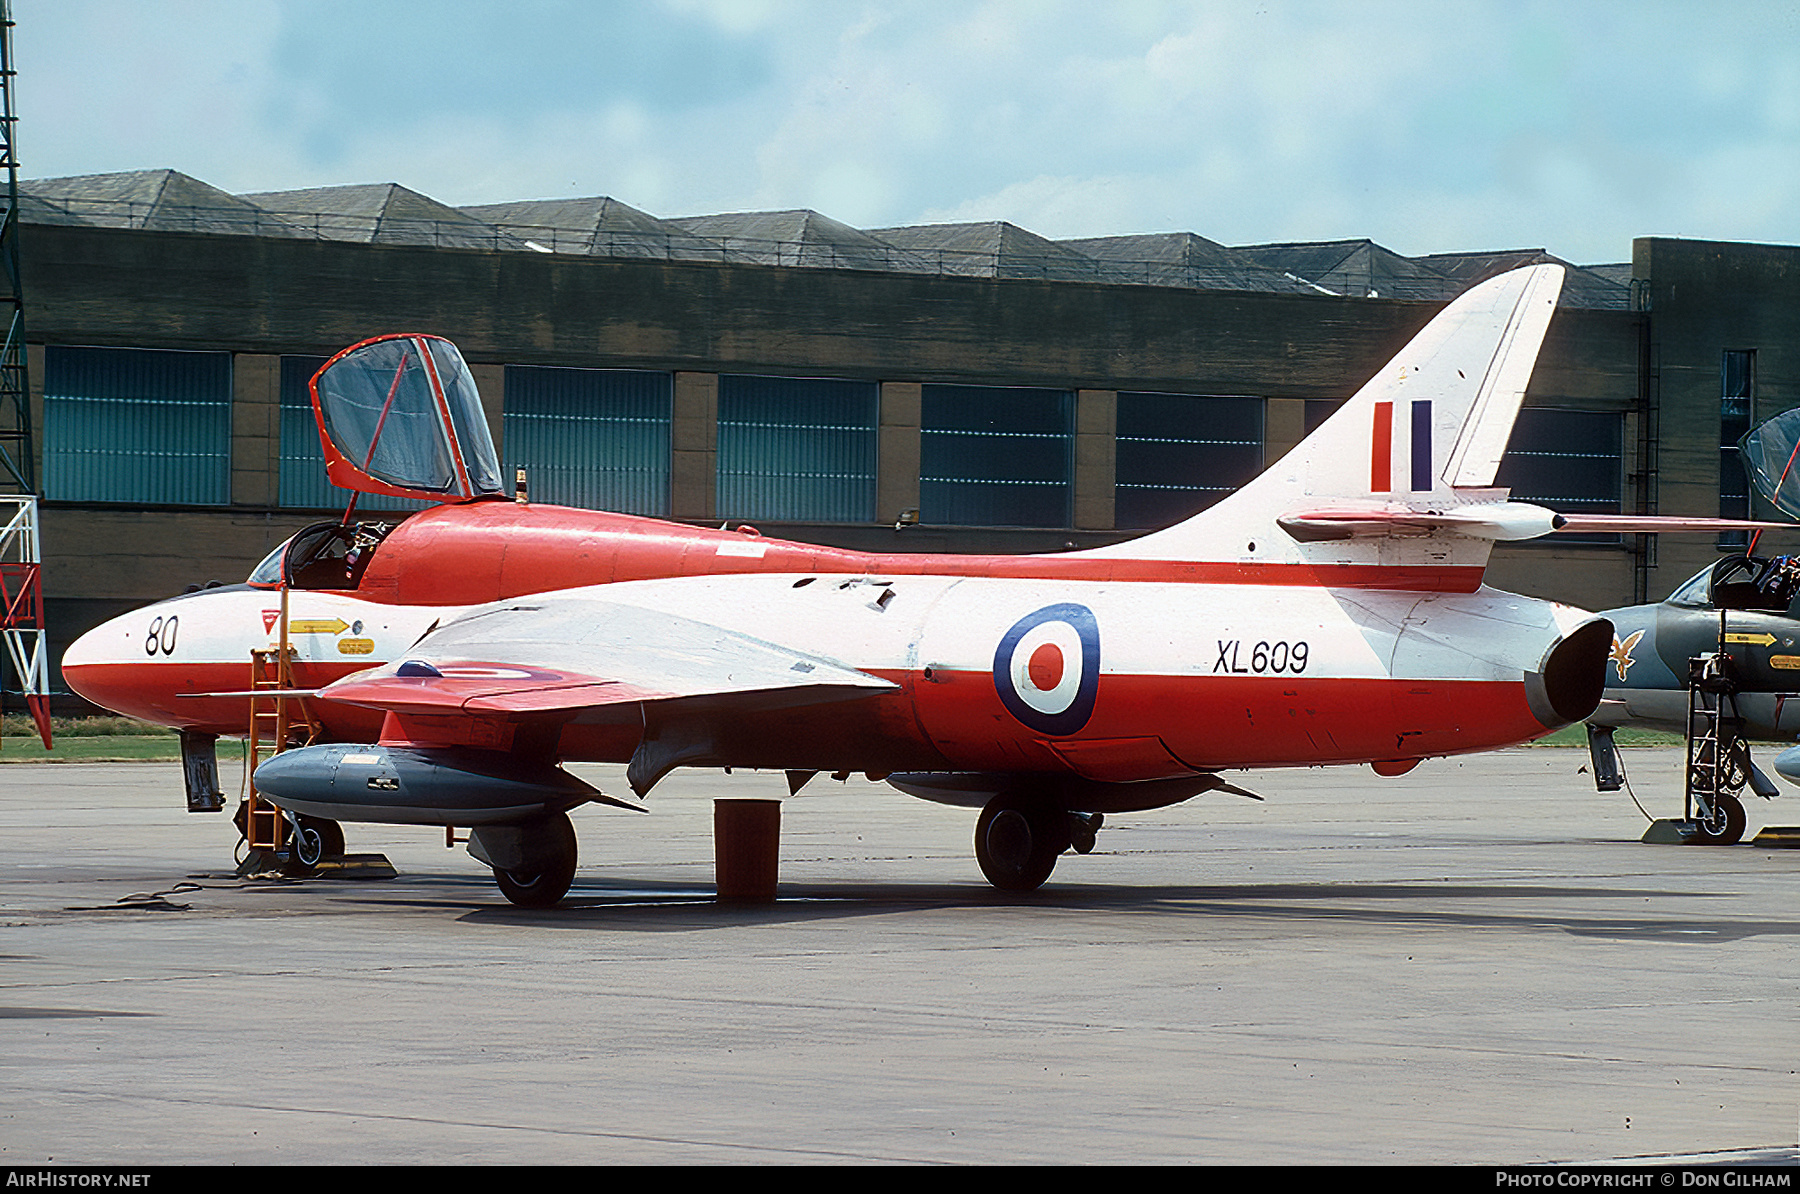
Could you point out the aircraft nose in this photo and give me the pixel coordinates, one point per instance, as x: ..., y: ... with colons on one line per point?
x: 90, y: 663
x: 107, y: 665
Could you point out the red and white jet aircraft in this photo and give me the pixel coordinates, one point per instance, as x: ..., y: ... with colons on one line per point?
x: 1332, y: 611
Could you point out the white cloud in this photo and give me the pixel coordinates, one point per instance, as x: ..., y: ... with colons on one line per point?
x: 1428, y: 127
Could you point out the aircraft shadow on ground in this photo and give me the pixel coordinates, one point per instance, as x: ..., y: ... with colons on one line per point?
x: 685, y: 907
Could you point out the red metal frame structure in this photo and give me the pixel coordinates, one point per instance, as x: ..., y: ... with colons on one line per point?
x: 21, y: 592
x: 22, y: 606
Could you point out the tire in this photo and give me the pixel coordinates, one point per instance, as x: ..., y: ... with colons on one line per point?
x: 545, y: 887
x: 1017, y: 841
x: 1725, y: 826
x: 317, y: 839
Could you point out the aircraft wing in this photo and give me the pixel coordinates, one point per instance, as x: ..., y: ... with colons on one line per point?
x: 557, y: 655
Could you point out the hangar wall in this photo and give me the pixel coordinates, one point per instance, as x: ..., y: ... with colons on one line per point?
x: 1702, y: 300
x: 261, y: 299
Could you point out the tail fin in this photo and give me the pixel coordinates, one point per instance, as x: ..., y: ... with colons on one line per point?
x: 1426, y: 432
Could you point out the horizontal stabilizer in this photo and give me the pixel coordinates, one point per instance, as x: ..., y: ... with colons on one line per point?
x: 1651, y: 524
x: 1494, y: 520
x: 1483, y: 520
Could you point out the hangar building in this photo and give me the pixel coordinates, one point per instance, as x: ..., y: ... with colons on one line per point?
x: 823, y: 382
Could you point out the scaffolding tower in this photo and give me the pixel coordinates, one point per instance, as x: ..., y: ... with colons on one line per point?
x: 17, y: 474
x: 21, y: 555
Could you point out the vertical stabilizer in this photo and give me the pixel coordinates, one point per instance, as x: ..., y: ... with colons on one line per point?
x: 1428, y: 430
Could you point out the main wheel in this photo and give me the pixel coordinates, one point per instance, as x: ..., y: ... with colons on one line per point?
x: 546, y: 883
x: 1722, y: 824
x: 1017, y: 841
x: 317, y: 839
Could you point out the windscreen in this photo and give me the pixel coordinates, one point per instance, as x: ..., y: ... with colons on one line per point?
x: 404, y: 413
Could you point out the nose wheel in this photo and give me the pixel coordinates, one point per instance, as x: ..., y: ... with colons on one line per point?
x: 312, y: 841
x: 1718, y: 820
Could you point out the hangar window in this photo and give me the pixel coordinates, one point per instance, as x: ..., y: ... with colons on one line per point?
x: 996, y: 456
x: 797, y: 449
x: 1569, y: 460
x: 1180, y: 453
x: 302, y: 483
x: 594, y: 438
x: 1317, y: 410
x: 140, y: 425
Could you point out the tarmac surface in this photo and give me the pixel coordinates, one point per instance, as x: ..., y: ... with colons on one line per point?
x: 1476, y: 963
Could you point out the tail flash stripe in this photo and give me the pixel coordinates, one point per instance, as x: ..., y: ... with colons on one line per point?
x: 1421, y: 446
x: 1381, y: 463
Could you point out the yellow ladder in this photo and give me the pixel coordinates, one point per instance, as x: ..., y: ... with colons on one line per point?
x: 277, y: 722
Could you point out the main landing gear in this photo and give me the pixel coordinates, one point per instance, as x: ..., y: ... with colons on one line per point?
x: 533, y: 863
x: 1018, y: 839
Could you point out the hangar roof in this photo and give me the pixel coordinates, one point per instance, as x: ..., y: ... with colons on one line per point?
x: 994, y: 249
x: 600, y: 226
x: 796, y: 237
x: 160, y: 200
x: 382, y: 213
x: 1357, y: 268
x: 1184, y: 259
x: 1605, y: 287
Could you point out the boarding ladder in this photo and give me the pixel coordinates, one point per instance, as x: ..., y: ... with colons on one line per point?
x: 277, y: 721
x: 1717, y: 759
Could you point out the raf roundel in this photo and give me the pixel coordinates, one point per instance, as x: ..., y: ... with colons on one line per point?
x: 1047, y: 668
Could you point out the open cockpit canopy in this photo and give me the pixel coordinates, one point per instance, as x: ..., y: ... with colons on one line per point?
x: 400, y: 415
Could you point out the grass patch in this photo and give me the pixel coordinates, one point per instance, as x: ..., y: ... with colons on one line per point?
x: 96, y: 740
x: 1576, y: 735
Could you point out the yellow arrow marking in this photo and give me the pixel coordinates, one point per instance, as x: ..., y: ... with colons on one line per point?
x: 338, y: 626
x: 1761, y: 640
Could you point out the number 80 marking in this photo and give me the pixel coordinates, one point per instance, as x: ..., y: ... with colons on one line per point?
x: 161, y: 635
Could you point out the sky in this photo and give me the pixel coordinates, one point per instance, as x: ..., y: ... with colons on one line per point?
x: 1443, y: 126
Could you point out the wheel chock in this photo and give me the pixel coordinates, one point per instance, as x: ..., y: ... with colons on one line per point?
x: 1778, y: 837
x: 355, y: 866
x: 1666, y: 831
x: 259, y: 862
x: 269, y: 863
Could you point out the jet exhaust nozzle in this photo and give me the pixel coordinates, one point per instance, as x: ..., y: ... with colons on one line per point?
x: 1568, y: 685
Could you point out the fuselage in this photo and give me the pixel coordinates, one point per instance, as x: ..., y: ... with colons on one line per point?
x: 1115, y: 669
x: 1646, y: 676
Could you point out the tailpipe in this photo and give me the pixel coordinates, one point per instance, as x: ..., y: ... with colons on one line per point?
x: 1569, y: 682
